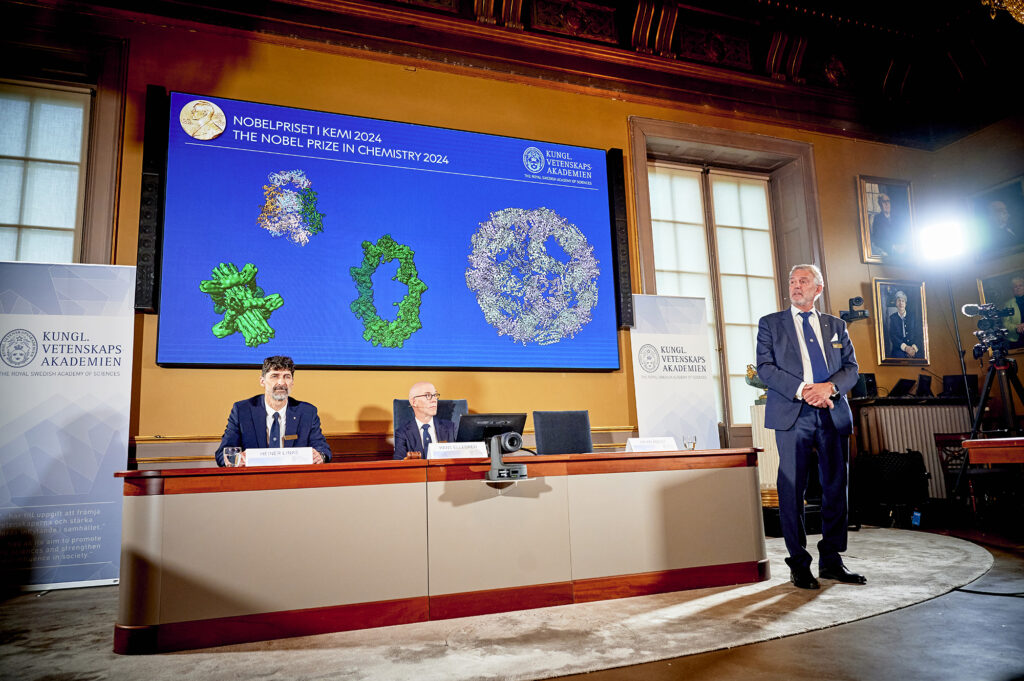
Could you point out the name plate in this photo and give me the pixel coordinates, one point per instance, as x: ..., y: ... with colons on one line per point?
x: 283, y: 456
x: 651, y: 444
x: 457, y: 450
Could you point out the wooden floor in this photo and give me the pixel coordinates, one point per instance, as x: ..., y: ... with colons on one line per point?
x: 974, y: 633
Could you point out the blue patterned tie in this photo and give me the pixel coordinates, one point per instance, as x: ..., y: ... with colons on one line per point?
x: 275, y: 430
x: 818, y: 367
x: 426, y: 438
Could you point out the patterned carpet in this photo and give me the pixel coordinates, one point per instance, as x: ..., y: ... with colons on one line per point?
x: 66, y: 635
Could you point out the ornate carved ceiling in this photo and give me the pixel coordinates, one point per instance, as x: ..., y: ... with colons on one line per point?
x: 915, y: 72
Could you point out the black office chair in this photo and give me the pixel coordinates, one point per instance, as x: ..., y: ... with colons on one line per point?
x: 452, y: 410
x: 562, y: 432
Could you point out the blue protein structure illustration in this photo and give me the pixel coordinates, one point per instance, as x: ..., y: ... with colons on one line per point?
x: 524, y: 291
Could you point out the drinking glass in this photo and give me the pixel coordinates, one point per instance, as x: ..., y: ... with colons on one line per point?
x: 231, y: 455
x: 690, y: 442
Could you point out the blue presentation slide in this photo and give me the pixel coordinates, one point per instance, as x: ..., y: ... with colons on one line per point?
x: 346, y: 242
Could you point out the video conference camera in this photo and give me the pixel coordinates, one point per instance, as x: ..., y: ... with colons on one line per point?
x: 500, y: 471
x: 851, y: 314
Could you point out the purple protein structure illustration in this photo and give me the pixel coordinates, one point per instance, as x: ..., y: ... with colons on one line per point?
x: 525, y: 287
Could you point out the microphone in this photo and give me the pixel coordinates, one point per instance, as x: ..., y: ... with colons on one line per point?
x: 970, y: 310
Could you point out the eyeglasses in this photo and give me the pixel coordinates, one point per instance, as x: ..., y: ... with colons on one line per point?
x: 427, y: 396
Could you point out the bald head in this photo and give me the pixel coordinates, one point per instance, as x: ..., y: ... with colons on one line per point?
x: 422, y: 397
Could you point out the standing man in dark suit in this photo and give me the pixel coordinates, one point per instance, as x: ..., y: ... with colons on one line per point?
x: 808, y: 363
x: 274, y: 419
x: 411, y: 439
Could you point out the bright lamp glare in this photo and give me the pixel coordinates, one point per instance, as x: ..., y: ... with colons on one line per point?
x: 941, y: 241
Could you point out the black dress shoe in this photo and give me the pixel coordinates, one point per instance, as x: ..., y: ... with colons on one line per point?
x: 841, y: 574
x: 803, y: 579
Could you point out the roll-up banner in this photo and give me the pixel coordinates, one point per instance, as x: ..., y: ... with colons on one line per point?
x: 66, y: 370
x: 672, y: 370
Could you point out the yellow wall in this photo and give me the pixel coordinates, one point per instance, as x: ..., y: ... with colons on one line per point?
x: 183, y: 402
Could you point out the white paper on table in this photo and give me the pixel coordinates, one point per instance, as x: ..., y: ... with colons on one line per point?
x: 457, y: 450
x: 651, y: 444
x: 280, y: 456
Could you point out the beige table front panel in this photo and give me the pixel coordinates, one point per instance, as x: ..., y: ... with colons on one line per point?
x: 238, y: 553
x: 482, y: 537
x: 628, y: 523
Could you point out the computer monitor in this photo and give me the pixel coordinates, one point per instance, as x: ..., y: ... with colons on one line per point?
x: 480, y: 427
x: 902, y: 388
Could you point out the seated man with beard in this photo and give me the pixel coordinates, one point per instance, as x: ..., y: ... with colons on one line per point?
x: 274, y: 419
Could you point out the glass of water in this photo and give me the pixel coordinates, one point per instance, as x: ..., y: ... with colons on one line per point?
x: 690, y: 442
x: 231, y: 455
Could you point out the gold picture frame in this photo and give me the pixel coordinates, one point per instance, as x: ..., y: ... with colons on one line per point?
x: 998, y: 227
x: 900, y: 339
x: 886, y: 219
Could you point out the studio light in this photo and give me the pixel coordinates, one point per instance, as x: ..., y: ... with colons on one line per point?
x: 941, y: 241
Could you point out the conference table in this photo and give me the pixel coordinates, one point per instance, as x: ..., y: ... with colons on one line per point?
x: 220, y: 556
x: 996, y: 450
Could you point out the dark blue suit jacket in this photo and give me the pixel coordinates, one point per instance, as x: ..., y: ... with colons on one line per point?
x: 780, y: 367
x: 247, y: 427
x: 409, y: 438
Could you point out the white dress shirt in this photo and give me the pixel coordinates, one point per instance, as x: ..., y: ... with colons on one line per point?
x: 430, y: 429
x: 270, y: 421
x: 805, y: 358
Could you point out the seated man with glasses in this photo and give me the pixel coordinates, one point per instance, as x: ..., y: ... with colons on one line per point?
x: 411, y: 439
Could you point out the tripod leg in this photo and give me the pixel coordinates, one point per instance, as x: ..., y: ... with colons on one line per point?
x: 977, y: 422
x: 1015, y: 381
x: 1009, y: 417
x: 982, y: 400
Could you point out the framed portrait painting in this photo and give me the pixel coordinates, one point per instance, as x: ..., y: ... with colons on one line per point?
x: 886, y: 219
x: 1006, y: 292
x: 998, y: 213
x: 901, y: 324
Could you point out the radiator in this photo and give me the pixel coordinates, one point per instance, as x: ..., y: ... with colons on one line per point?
x: 898, y: 428
x: 764, y: 438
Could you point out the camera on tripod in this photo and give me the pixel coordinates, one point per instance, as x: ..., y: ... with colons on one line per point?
x: 991, y: 334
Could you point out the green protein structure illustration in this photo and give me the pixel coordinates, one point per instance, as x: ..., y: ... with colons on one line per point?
x: 245, y: 306
x: 376, y: 330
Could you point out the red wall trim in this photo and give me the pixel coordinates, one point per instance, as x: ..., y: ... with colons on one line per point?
x: 204, y: 480
x: 447, y: 606
x: 646, y: 583
x: 141, y: 640
x: 266, y: 626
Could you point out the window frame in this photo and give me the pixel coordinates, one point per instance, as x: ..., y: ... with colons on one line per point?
x: 795, y: 212
x: 97, y: 64
x: 78, y: 227
x: 711, y: 226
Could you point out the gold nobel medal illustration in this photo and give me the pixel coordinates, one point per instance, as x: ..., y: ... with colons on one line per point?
x: 202, y: 119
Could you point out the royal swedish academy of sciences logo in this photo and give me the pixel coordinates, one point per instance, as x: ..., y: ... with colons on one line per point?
x: 533, y: 159
x: 648, y: 358
x: 18, y: 348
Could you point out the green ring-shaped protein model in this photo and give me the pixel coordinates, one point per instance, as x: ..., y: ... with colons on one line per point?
x: 376, y: 330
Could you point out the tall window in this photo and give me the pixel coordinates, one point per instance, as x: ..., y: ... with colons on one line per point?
x: 42, y: 172
x: 712, y: 239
